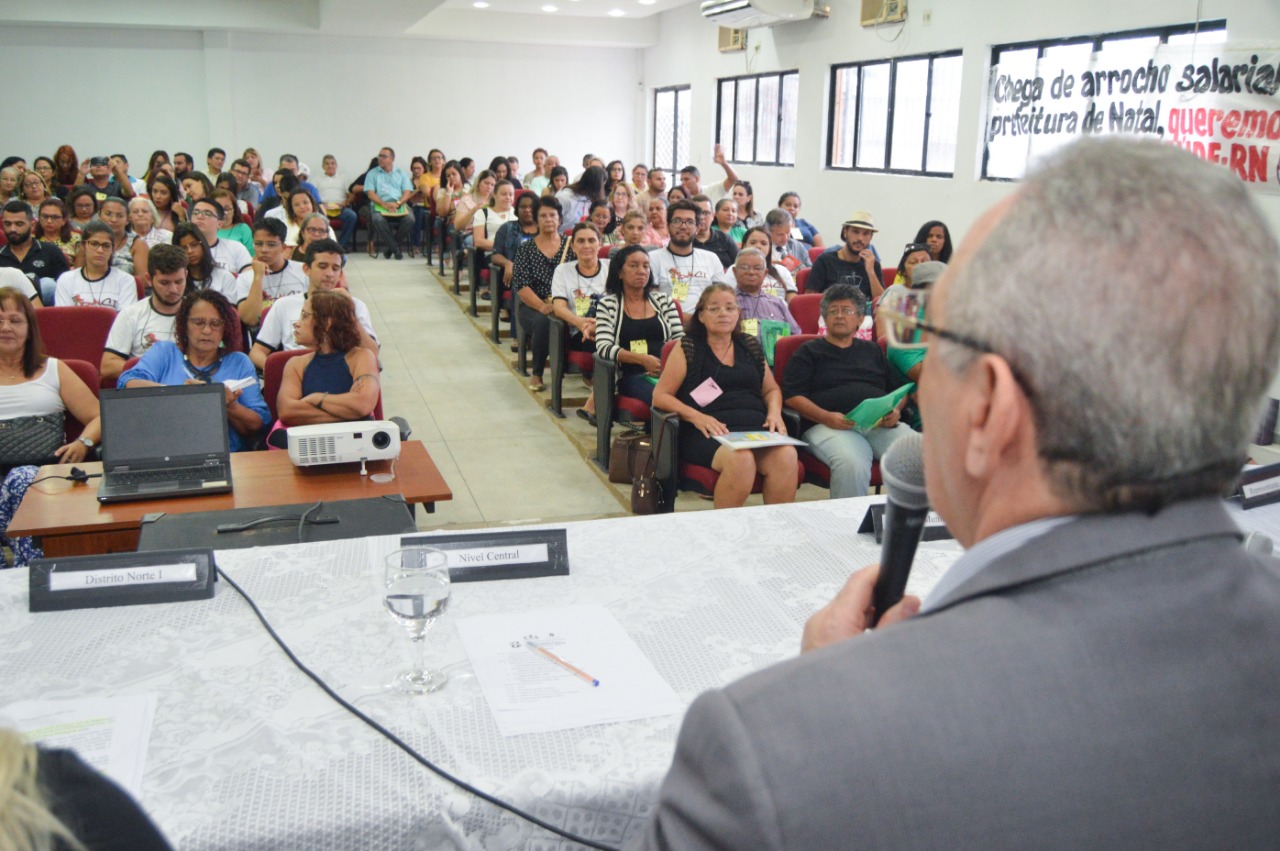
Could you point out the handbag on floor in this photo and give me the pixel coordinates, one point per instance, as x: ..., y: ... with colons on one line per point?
x: 31, y: 440
x: 646, y: 491
x: 629, y: 456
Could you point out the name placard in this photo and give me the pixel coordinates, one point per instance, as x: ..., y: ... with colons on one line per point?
x: 518, y: 554
x: 121, y: 579
x: 1259, y: 486
x: 934, y: 528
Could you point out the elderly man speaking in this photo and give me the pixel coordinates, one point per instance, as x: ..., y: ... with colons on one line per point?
x: 1100, y: 669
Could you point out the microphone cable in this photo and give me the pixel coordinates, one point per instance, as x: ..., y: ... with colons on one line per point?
x: 396, y: 740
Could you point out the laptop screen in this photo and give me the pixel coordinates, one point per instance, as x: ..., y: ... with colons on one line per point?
x: 153, y: 424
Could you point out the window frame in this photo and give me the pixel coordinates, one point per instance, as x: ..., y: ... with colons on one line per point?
x: 892, y: 62
x: 1096, y: 41
x: 781, y: 77
x: 676, y: 165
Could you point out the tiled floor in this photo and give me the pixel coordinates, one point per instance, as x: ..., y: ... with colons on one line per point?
x: 505, y: 457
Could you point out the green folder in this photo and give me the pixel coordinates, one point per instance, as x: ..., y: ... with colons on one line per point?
x: 870, y: 411
x: 770, y: 331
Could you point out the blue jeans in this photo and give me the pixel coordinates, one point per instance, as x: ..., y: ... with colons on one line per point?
x: 419, y: 225
x: 344, y: 224
x: 849, y: 454
x: 637, y: 387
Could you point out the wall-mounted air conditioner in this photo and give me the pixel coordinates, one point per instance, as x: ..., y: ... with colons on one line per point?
x: 744, y: 14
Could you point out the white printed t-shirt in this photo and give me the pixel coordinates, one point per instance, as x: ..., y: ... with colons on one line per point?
x: 137, y: 328
x: 684, y: 278
x: 577, y: 289
x: 230, y: 255
x: 277, y: 329
x: 115, y: 290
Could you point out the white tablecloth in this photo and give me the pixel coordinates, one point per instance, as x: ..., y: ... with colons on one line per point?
x: 248, y: 753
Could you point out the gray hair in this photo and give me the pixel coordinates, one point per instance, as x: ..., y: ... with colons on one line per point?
x: 1173, y: 250
x: 842, y: 292
x: 751, y: 252
x: 777, y: 217
x: 151, y: 207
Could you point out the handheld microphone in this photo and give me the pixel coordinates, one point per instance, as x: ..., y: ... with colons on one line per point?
x: 906, y: 507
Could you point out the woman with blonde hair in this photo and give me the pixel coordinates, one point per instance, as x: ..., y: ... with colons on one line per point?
x: 259, y: 176
x: 50, y: 799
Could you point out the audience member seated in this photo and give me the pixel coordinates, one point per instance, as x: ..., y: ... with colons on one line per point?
x: 258, y: 175
x: 827, y: 378
x: 785, y: 250
x: 233, y: 225
x: 726, y: 221
x: 639, y: 177
x: 274, y: 274
x: 141, y: 325
x: 559, y: 181
x: 54, y: 228
x: 449, y: 194
x: 214, y: 161
x: 717, y: 381
x: 226, y: 182
x: 749, y: 273
x: 622, y: 200
x: 335, y: 202
x: 154, y: 164
x: 745, y: 197
x: 98, y: 175
x: 909, y: 361
x: 854, y: 263
x: 246, y: 189
x: 707, y: 239
x: 296, y: 207
x: 630, y: 231
x: 44, y: 167
x: 142, y: 221
x: 97, y: 282
x: 480, y: 197
x: 200, y: 354
x: 936, y: 235
x: 534, y: 268
x: 289, y: 163
x: 338, y: 382
x: 388, y: 189
x: 777, y: 280
x: 129, y: 253
x: 183, y: 164
x: 576, y: 198
x: 34, y: 191
x: 655, y: 232
x: 691, y: 179
x: 487, y: 221
x: 682, y: 270
x: 196, y: 186
x: 33, y: 385
x: 41, y: 262
x: 83, y: 207
x: 66, y: 165
x: 634, y: 319
x: 315, y: 226
x: 510, y: 236
x: 206, y: 215
x: 323, y: 270
x: 617, y: 173
x: 538, y: 178
x: 163, y: 192
x: 201, y: 273
x: 601, y: 216
x: 913, y: 255
x: 418, y: 203
x: 576, y: 288
x: 54, y: 800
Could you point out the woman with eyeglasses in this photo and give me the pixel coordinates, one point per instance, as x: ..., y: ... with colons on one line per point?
x: 33, y: 385
x: 204, y: 332
x: 717, y: 381
x: 53, y: 226
x: 34, y: 191
x: 43, y: 166
x: 130, y: 253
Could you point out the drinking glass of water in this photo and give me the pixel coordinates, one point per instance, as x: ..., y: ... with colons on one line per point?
x: 416, y: 592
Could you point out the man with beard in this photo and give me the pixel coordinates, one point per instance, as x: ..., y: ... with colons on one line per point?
x: 681, y: 270
x: 140, y: 326
x: 715, y: 241
x: 855, y: 263
x: 41, y: 262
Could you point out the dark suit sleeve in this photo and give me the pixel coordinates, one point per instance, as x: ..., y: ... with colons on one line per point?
x: 100, y: 814
x: 715, y: 795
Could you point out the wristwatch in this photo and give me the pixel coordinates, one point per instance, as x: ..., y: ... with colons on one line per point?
x: 86, y: 441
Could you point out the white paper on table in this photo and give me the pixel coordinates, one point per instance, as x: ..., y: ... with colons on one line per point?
x: 528, y: 693
x: 109, y: 733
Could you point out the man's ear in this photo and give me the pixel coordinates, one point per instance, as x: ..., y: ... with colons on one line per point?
x: 997, y: 415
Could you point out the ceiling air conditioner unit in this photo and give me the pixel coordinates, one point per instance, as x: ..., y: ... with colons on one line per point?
x: 744, y: 14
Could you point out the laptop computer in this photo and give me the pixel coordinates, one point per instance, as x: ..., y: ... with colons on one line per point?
x: 164, y: 442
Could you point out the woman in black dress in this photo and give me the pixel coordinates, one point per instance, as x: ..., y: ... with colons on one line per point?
x: 717, y: 381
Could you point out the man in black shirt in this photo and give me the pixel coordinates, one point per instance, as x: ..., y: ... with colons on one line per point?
x: 855, y: 263
x: 715, y: 241
x: 825, y: 379
x: 41, y: 262
x: 106, y: 182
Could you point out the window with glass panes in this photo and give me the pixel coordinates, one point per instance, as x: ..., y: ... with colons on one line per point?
x: 756, y: 119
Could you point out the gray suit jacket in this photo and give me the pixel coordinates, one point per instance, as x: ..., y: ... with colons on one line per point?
x: 1114, y: 684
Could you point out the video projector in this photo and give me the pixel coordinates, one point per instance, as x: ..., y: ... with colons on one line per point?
x: 343, y: 443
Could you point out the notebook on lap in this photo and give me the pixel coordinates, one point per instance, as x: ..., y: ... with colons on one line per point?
x: 160, y: 442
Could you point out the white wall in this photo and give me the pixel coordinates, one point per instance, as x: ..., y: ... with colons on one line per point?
x: 687, y: 54
x: 311, y: 95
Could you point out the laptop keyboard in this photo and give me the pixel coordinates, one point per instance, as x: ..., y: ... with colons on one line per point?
x: 169, y: 474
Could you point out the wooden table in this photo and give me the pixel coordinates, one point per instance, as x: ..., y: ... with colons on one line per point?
x: 70, y: 521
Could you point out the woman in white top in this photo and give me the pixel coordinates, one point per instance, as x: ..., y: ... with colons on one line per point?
x: 130, y: 253
x: 478, y: 198
x: 575, y: 290
x: 33, y: 385
x: 296, y: 207
x: 143, y: 216
x: 486, y: 221
x: 576, y: 198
